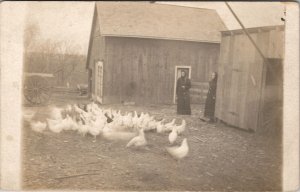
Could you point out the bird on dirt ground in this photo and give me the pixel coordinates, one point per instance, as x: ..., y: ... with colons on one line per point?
x: 179, y: 152
x: 173, y: 135
x: 138, y: 141
x: 110, y: 134
x: 160, y: 126
x: 82, y: 128
x: 109, y: 119
x: 55, y: 125
x: 97, y: 127
x: 38, y: 126
x: 181, y: 128
x: 169, y: 126
x: 151, y: 125
x: 56, y: 113
x: 67, y: 123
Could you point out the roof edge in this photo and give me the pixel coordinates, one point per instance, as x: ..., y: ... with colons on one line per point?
x: 91, y: 37
x: 268, y: 27
x: 161, y: 38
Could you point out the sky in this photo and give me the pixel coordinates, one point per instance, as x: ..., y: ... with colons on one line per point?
x: 72, y: 21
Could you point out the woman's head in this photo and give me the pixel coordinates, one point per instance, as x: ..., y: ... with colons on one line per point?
x: 214, y: 75
x: 183, y: 73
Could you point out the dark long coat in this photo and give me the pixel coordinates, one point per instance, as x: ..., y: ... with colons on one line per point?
x: 210, y: 103
x: 183, y: 96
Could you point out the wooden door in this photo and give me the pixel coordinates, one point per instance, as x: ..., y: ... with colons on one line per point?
x: 178, y: 69
x: 239, y: 82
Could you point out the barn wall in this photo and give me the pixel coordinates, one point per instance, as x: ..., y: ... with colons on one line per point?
x: 142, y: 70
x: 97, y: 51
x: 242, y: 73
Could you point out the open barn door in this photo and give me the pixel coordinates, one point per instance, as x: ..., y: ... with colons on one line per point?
x: 99, y: 81
x: 178, y: 69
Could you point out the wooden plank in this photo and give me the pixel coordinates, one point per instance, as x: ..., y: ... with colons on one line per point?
x: 223, y: 60
x: 235, y: 91
x: 247, y: 60
x: 227, y: 82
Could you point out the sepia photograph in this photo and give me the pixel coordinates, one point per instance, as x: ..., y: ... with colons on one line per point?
x: 150, y: 96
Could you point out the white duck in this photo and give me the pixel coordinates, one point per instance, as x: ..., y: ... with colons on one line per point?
x: 179, y: 152
x: 38, y: 126
x: 173, y: 135
x: 138, y: 141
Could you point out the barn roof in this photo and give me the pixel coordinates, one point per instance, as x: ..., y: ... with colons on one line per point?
x: 151, y: 20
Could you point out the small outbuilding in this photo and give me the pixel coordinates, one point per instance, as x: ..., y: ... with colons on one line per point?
x: 137, y: 50
x: 250, y: 84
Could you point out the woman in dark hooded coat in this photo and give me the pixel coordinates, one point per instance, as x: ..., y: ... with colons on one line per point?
x: 183, y: 95
x: 210, y: 103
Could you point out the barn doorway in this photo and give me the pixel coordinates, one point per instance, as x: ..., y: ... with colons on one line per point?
x: 99, y: 81
x: 178, y: 69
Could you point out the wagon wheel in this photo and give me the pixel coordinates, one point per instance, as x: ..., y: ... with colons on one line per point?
x: 37, y: 90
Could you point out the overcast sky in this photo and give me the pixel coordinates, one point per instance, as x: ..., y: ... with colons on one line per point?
x: 71, y: 21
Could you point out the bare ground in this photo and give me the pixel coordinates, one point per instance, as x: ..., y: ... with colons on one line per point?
x: 221, y: 158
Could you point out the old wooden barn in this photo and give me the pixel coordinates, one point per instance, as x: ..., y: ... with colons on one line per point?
x: 249, y: 91
x: 137, y: 49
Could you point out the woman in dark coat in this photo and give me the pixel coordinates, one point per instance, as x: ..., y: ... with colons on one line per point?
x: 183, y: 95
x: 209, y: 111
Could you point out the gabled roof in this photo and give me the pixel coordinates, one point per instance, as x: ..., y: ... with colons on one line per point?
x: 151, y: 20
x: 156, y: 21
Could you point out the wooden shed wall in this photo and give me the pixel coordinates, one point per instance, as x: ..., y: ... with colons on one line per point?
x: 142, y: 70
x: 241, y: 83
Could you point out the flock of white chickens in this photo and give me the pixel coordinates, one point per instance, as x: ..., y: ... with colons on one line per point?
x: 112, y: 125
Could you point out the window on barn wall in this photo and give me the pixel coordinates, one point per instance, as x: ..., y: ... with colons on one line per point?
x: 274, y: 77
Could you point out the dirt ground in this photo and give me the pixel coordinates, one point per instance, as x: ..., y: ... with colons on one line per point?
x: 221, y: 158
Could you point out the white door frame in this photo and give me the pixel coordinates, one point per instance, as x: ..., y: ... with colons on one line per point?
x: 98, y: 82
x: 176, y: 68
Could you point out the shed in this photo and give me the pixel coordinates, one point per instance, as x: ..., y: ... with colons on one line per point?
x: 249, y: 88
x: 137, y: 49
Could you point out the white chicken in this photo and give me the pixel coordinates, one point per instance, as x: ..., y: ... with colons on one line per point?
x: 109, y: 134
x: 160, y: 126
x: 67, y: 123
x: 169, y: 126
x: 138, y: 141
x: 181, y: 128
x: 151, y: 125
x: 179, y: 152
x: 55, y: 125
x: 38, y: 126
x: 127, y: 120
x: 82, y: 129
x: 173, y: 135
x: 56, y: 113
x: 97, y: 127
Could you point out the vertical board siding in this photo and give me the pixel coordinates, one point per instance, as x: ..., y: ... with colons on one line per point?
x: 241, y: 83
x: 149, y: 64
